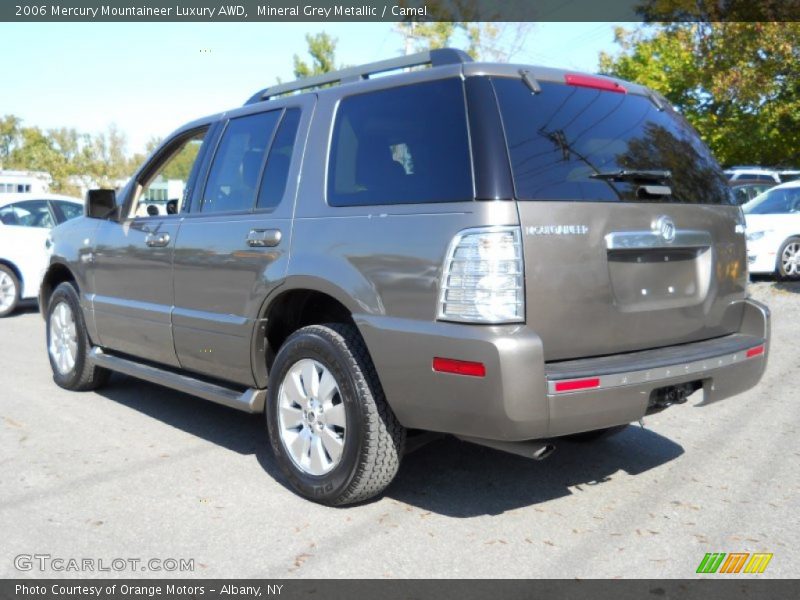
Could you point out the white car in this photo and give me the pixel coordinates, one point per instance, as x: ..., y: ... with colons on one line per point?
x: 773, y: 231
x: 752, y: 174
x: 25, y: 222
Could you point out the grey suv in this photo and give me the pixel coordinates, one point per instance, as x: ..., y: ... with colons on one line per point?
x: 506, y: 254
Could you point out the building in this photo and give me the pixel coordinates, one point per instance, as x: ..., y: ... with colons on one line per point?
x: 22, y: 182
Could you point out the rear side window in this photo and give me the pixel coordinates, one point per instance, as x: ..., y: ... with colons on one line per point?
x: 273, y: 184
x: 402, y: 145
x: 557, y: 139
x: 67, y: 210
x: 234, y: 175
x: 775, y: 201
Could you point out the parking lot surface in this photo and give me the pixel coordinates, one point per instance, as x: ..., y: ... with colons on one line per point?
x: 140, y: 472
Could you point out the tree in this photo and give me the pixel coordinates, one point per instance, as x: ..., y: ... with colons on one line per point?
x: 495, y: 42
x: 738, y: 83
x: 10, y: 136
x: 322, y: 48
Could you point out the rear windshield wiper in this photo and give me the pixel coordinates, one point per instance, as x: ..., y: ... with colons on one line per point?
x: 656, y: 176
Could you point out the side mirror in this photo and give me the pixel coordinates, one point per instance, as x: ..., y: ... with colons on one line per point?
x: 101, y: 204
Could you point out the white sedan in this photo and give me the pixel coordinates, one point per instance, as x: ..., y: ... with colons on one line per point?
x: 25, y: 222
x: 773, y: 231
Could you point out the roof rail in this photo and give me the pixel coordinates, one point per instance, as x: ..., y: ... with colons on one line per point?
x: 435, y: 58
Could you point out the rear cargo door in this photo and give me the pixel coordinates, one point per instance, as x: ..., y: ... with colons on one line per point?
x: 630, y: 241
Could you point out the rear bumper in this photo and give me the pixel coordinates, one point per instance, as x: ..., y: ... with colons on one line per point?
x: 520, y: 397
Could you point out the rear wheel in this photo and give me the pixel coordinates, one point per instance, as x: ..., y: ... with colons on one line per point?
x: 596, y: 434
x: 68, y: 343
x: 789, y: 259
x: 9, y: 291
x: 330, y: 427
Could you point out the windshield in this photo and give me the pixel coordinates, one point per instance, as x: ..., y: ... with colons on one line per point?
x: 562, y: 138
x: 774, y: 202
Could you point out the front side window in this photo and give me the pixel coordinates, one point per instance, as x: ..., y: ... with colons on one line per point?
x: 31, y: 213
x: 401, y: 145
x: 165, y: 190
x: 234, y: 176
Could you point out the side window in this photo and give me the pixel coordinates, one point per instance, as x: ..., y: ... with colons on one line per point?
x: 233, y: 179
x: 273, y: 184
x: 66, y: 211
x: 165, y: 190
x: 401, y: 146
x: 31, y: 213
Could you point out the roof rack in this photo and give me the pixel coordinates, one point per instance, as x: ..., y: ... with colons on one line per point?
x: 435, y: 58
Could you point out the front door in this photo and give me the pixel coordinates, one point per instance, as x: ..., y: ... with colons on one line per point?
x: 232, y: 249
x: 132, y: 264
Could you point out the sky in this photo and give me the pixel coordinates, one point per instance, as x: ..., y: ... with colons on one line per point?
x: 150, y: 78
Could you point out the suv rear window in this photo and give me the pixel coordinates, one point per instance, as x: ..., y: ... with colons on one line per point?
x: 561, y: 136
x: 401, y: 145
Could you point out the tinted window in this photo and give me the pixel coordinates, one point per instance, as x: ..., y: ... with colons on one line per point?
x: 560, y: 137
x: 775, y: 201
x: 67, y: 210
x: 273, y: 185
x: 31, y: 213
x: 401, y: 145
x: 233, y: 179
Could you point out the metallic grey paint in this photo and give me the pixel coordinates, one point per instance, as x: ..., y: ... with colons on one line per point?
x: 200, y: 303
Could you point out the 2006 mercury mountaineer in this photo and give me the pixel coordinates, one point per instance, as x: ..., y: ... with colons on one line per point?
x: 506, y: 254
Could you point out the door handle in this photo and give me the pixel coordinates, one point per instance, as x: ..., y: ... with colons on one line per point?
x: 264, y: 238
x: 157, y: 240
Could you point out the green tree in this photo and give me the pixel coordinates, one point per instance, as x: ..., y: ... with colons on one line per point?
x: 10, y: 136
x: 322, y: 50
x: 738, y: 83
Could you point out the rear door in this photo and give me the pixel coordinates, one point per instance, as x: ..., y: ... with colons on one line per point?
x: 614, y: 261
x: 233, y: 246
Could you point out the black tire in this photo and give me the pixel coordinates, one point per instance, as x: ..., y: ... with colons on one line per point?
x: 83, y: 375
x: 374, y: 440
x: 779, y: 260
x: 14, y: 281
x: 596, y: 434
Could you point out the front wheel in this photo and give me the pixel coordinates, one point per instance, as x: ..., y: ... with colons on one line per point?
x: 330, y: 427
x: 9, y: 291
x: 68, y: 343
x: 789, y: 259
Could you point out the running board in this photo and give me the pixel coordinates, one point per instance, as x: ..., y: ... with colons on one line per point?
x: 535, y: 449
x: 251, y: 400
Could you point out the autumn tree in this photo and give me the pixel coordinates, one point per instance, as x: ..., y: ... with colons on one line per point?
x: 738, y: 83
x: 495, y: 42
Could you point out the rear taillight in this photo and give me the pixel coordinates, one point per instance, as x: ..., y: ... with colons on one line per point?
x: 483, y: 277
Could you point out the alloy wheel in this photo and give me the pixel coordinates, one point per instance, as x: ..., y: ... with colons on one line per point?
x: 311, y: 417
x: 63, y: 338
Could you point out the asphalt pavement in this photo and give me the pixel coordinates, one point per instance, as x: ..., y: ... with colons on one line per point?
x: 135, y: 472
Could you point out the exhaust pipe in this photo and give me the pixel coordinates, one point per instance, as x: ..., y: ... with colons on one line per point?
x: 535, y: 449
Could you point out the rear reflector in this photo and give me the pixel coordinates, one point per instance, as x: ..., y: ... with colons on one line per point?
x: 757, y: 351
x: 459, y: 367
x: 577, y: 384
x: 597, y: 83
